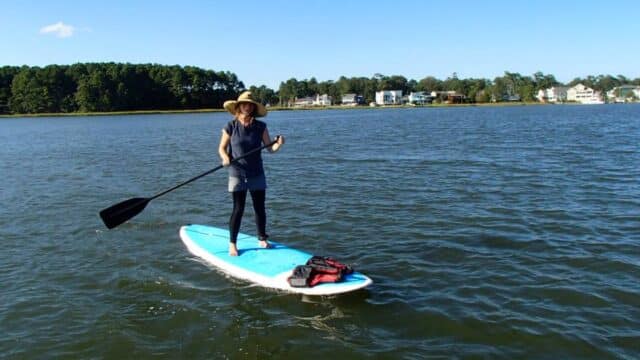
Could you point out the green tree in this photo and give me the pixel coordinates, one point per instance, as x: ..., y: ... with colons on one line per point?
x: 30, y: 94
x: 475, y: 90
x: 369, y: 92
x: 113, y: 86
x: 430, y: 84
x: 178, y: 87
x: 264, y: 94
x: 607, y: 82
x: 7, y: 73
x: 543, y: 81
x: 287, y: 92
x: 395, y: 82
x: 96, y: 92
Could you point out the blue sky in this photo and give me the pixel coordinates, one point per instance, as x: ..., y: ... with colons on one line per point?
x: 266, y: 42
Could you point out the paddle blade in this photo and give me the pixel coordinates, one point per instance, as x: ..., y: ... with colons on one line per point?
x: 123, y: 211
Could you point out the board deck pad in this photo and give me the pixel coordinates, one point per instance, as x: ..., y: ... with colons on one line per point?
x: 266, y: 267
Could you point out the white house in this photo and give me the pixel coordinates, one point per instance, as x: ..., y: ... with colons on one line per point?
x: 352, y: 99
x: 584, y: 95
x: 318, y: 100
x: 624, y: 93
x: 322, y: 100
x: 305, y: 101
x: 420, y: 98
x: 553, y: 94
x: 389, y: 97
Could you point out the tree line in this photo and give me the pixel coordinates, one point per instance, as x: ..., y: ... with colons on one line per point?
x: 502, y: 88
x: 106, y: 87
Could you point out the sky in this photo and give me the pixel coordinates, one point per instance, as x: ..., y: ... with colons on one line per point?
x: 269, y: 42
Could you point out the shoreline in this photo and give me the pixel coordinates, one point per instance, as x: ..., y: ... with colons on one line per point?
x: 274, y: 108
x: 111, y: 113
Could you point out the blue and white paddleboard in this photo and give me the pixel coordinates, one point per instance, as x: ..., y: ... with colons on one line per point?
x: 266, y: 267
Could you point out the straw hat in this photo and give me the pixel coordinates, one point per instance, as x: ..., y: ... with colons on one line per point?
x: 232, y: 105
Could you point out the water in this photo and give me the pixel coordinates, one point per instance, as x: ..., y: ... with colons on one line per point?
x: 489, y: 232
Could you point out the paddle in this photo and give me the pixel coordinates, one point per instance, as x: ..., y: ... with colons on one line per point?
x: 125, y: 210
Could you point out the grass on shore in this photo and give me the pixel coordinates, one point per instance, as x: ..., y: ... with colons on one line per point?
x: 113, y: 113
x: 273, y: 108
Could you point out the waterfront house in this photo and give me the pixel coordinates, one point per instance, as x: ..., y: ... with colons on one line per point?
x: 322, y: 100
x: 352, y: 99
x: 389, y: 97
x: 305, y: 101
x: 448, y: 97
x: 624, y: 93
x: 584, y: 95
x: 419, y: 98
x: 317, y: 100
x: 553, y: 94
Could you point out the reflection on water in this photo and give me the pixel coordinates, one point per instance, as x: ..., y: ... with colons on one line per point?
x: 322, y: 323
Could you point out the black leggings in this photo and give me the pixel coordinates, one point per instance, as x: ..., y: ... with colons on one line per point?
x: 239, y: 200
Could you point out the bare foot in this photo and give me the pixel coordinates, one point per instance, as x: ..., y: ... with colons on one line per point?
x: 265, y: 244
x: 233, y: 249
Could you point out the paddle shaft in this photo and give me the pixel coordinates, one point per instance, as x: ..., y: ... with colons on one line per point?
x: 187, y: 182
x: 213, y: 170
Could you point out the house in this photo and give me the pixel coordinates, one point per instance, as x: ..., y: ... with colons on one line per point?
x: 553, y: 94
x: 322, y: 100
x: 389, y: 97
x: 624, y: 93
x: 317, y: 100
x: 305, y: 101
x: 352, y: 99
x: 455, y: 98
x: 449, y: 96
x: 419, y: 98
x: 584, y: 95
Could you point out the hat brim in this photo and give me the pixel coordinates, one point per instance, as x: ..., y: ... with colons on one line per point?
x: 232, y: 105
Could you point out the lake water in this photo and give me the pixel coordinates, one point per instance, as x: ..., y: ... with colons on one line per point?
x: 489, y: 232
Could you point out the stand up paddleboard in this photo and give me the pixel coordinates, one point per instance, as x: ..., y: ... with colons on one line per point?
x: 266, y: 267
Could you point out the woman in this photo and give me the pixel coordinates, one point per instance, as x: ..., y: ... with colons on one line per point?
x: 241, y: 135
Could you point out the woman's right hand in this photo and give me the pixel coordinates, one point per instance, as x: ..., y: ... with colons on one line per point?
x: 226, y: 161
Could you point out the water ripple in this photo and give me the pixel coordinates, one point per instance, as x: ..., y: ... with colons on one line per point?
x: 489, y: 232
